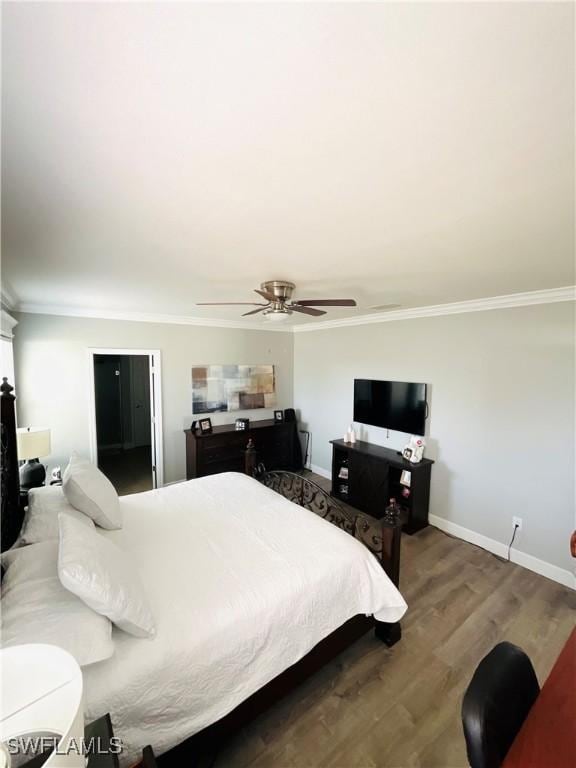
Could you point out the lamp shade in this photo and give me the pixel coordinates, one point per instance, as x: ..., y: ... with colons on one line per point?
x: 41, y: 701
x: 33, y: 442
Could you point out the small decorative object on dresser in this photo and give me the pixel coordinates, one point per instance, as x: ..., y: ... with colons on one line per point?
x: 250, y: 459
x: 414, y: 451
x: 205, y: 426
x: 278, y: 416
x: 242, y: 425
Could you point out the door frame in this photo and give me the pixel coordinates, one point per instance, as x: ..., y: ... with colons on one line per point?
x: 155, y: 370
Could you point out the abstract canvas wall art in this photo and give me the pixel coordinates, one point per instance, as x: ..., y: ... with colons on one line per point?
x: 217, y: 388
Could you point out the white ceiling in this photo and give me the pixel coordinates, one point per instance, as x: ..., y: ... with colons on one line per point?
x: 155, y: 155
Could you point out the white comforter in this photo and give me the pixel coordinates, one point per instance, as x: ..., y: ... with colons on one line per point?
x: 242, y: 584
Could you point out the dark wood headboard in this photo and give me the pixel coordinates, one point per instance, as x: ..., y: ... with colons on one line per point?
x: 12, y: 511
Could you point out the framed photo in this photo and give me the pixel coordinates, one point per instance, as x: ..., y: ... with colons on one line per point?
x: 407, y: 453
x: 278, y: 416
x: 205, y: 426
x: 242, y: 425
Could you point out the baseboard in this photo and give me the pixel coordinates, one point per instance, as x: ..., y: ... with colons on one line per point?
x: 560, y: 575
x: 320, y: 471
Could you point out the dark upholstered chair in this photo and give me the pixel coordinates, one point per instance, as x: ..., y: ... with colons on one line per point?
x: 496, y: 703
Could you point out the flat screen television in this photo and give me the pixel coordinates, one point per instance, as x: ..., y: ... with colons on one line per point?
x: 397, y: 405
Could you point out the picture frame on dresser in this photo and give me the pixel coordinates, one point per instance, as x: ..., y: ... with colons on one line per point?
x: 205, y: 426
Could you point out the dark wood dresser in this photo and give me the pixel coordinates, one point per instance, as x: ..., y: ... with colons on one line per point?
x: 222, y: 450
x: 372, y: 476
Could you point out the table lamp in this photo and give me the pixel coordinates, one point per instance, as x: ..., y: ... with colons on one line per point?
x: 32, y: 443
x: 41, y: 709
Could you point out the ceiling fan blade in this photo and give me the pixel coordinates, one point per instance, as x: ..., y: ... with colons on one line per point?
x: 267, y: 296
x: 229, y: 304
x: 306, y: 310
x: 255, y: 311
x: 327, y: 303
x: 384, y: 307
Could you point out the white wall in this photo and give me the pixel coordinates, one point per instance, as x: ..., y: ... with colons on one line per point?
x: 52, y: 374
x: 501, y: 426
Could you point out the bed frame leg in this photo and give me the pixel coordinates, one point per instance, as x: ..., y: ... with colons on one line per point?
x: 388, y: 633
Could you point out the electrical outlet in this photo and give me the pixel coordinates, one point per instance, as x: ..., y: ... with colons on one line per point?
x: 517, y: 523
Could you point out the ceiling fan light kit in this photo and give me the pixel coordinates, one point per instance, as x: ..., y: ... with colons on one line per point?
x: 277, y: 316
x: 279, y: 307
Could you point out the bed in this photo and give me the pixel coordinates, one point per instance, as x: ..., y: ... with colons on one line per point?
x: 250, y: 592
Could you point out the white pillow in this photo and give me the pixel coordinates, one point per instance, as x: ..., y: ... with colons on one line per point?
x: 37, y: 561
x: 36, y: 608
x: 90, y: 491
x: 41, y: 519
x: 100, y: 573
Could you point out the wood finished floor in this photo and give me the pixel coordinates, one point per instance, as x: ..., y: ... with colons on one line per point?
x: 375, y: 707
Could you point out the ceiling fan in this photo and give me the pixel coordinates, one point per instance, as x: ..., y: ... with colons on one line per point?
x: 278, y: 306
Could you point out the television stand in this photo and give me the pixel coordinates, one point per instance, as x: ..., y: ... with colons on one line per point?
x: 367, y: 476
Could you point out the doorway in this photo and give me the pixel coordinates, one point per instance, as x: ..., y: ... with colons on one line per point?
x: 125, y: 419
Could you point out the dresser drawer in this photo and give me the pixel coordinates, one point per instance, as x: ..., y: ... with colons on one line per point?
x: 218, y: 453
x: 227, y: 465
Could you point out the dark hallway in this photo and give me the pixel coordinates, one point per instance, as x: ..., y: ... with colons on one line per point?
x: 123, y: 421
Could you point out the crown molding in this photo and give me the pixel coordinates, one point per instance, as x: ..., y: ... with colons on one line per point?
x: 550, y: 296
x: 148, y: 317
x: 7, y: 325
x: 8, y: 296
